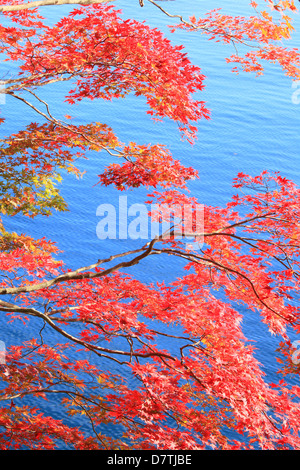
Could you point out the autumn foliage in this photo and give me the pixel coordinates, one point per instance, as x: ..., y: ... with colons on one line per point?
x: 203, y: 387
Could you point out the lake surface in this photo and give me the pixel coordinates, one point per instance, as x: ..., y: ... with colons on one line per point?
x: 254, y: 126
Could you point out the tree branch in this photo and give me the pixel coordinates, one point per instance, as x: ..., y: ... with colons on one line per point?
x: 78, y: 274
x: 42, y: 3
x: 199, y: 259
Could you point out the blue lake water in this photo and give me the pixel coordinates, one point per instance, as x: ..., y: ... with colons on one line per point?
x: 254, y: 126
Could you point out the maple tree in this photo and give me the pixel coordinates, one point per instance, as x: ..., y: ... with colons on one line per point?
x: 206, y: 381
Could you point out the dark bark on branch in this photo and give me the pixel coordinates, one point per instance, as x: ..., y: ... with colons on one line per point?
x: 78, y: 274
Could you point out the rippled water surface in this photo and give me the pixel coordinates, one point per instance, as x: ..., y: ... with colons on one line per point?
x: 254, y: 126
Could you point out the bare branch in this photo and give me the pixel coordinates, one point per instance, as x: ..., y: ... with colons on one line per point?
x: 100, y: 351
x: 43, y: 3
x: 78, y: 274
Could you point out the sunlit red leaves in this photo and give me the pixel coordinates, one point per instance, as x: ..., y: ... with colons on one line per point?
x: 110, y: 58
x: 215, y: 357
x: 280, y: 5
x: 252, y: 256
x: 25, y: 427
x: 33, y: 161
x: 38, y: 370
x: 262, y: 33
x: 150, y: 165
x: 206, y: 377
x: 28, y: 17
x: 35, y: 259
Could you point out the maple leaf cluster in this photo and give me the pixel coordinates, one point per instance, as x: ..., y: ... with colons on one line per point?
x: 170, y: 365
